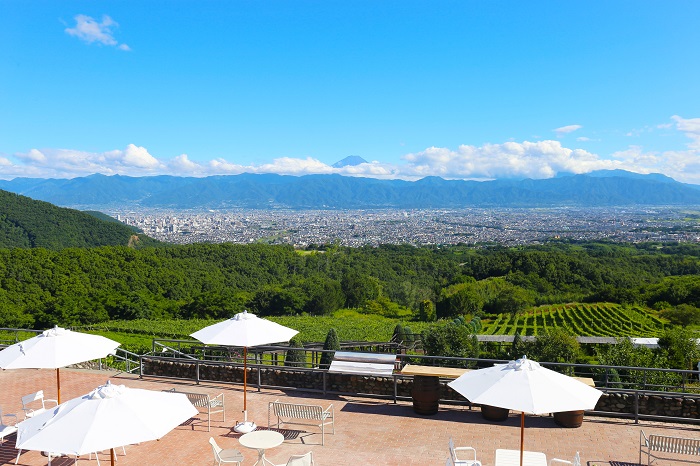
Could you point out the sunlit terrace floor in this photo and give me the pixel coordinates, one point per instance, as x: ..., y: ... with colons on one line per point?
x: 367, y: 431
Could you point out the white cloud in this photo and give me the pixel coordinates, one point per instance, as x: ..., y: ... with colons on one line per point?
x: 292, y: 166
x: 691, y: 128
x: 542, y: 159
x: 182, y: 164
x: 91, y: 31
x: 138, y: 157
x: 33, y: 156
x: 566, y: 129
x: 526, y: 159
x: 583, y: 139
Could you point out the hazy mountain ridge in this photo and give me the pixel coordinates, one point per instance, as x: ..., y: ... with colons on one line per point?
x: 602, y: 188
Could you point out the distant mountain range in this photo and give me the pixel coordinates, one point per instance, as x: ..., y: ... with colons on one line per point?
x: 602, y: 188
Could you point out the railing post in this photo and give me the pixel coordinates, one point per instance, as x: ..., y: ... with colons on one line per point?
x: 636, y: 407
x: 395, y: 388
x: 141, y: 367
x: 196, y: 365
x: 259, y: 377
x: 605, y: 379
x: 324, y: 382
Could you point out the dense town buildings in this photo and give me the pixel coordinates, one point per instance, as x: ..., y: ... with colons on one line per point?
x: 417, y: 227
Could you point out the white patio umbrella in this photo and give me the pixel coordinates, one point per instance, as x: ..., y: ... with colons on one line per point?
x: 108, y: 417
x: 56, y: 348
x: 244, y: 329
x: 525, y: 386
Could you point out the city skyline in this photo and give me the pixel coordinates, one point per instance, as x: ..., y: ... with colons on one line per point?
x: 461, y: 90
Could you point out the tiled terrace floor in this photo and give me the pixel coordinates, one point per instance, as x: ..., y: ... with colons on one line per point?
x: 368, y: 432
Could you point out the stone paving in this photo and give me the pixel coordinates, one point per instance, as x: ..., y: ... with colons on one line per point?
x: 367, y: 431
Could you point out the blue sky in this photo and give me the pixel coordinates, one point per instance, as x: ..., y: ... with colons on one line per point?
x: 458, y: 89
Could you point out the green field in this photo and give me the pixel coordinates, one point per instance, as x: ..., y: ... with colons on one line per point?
x: 350, y: 326
x: 599, y: 319
x: 592, y: 320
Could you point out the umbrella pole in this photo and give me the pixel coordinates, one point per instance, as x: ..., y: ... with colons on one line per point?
x: 58, y: 385
x: 522, y: 436
x: 111, y: 455
x: 245, y: 376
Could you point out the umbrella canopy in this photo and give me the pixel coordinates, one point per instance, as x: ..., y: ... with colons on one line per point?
x: 108, y: 417
x: 525, y: 386
x: 56, y: 348
x: 244, y: 329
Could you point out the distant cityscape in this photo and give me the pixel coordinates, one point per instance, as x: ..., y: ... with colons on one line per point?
x: 509, y: 227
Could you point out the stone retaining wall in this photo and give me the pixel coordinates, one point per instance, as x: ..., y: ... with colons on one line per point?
x: 623, y: 403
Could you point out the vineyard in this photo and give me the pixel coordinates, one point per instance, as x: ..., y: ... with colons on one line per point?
x: 598, y: 319
x: 349, y: 325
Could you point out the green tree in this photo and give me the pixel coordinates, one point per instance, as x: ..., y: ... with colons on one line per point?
x: 399, y: 334
x: 358, y: 289
x: 518, y: 348
x: 683, y: 314
x: 295, y: 357
x: 449, y: 340
x: 324, y: 296
x: 331, y: 344
x: 680, y: 348
x: 555, y: 345
x: 426, y: 311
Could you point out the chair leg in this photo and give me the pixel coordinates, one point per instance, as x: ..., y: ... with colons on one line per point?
x: 19, y: 452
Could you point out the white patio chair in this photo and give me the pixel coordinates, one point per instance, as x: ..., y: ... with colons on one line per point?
x: 6, y: 429
x: 35, y: 403
x: 575, y: 462
x: 462, y: 461
x: 228, y: 455
x: 300, y: 460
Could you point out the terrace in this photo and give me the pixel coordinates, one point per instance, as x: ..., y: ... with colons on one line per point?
x: 367, y: 431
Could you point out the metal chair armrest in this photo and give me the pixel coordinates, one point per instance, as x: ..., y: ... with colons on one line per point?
x: 559, y: 461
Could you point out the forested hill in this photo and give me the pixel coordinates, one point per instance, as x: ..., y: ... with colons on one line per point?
x: 26, y: 223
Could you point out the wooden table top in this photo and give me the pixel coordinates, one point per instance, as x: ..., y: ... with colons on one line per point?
x: 453, y: 372
x: 433, y: 371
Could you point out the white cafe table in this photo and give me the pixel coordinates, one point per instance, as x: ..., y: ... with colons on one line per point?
x: 512, y: 458
x: 261, y: 440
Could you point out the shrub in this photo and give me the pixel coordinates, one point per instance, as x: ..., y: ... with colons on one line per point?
x: 331, y: 343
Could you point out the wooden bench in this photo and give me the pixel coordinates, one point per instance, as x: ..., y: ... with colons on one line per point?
x: 299, y: 414
x: 205, y: 404
x: 37, y: 402
x: 667, y: 444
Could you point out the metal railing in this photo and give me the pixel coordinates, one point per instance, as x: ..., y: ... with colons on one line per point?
x: 10, y: 336
x: 634, y: 382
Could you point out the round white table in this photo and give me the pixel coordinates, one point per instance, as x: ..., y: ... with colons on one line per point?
x: 261, y: 440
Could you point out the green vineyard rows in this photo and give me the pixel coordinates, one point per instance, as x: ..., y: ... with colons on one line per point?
x: 583, y: 319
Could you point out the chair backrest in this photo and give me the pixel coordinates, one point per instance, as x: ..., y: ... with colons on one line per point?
x: 215, y: 447
x: 26, y: 399
x: 301, y: 460
x: 451, y: 445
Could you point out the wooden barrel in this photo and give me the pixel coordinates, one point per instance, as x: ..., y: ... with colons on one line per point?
x: 569, y: 418
x: 425, y: 394
x: 492, y: 413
